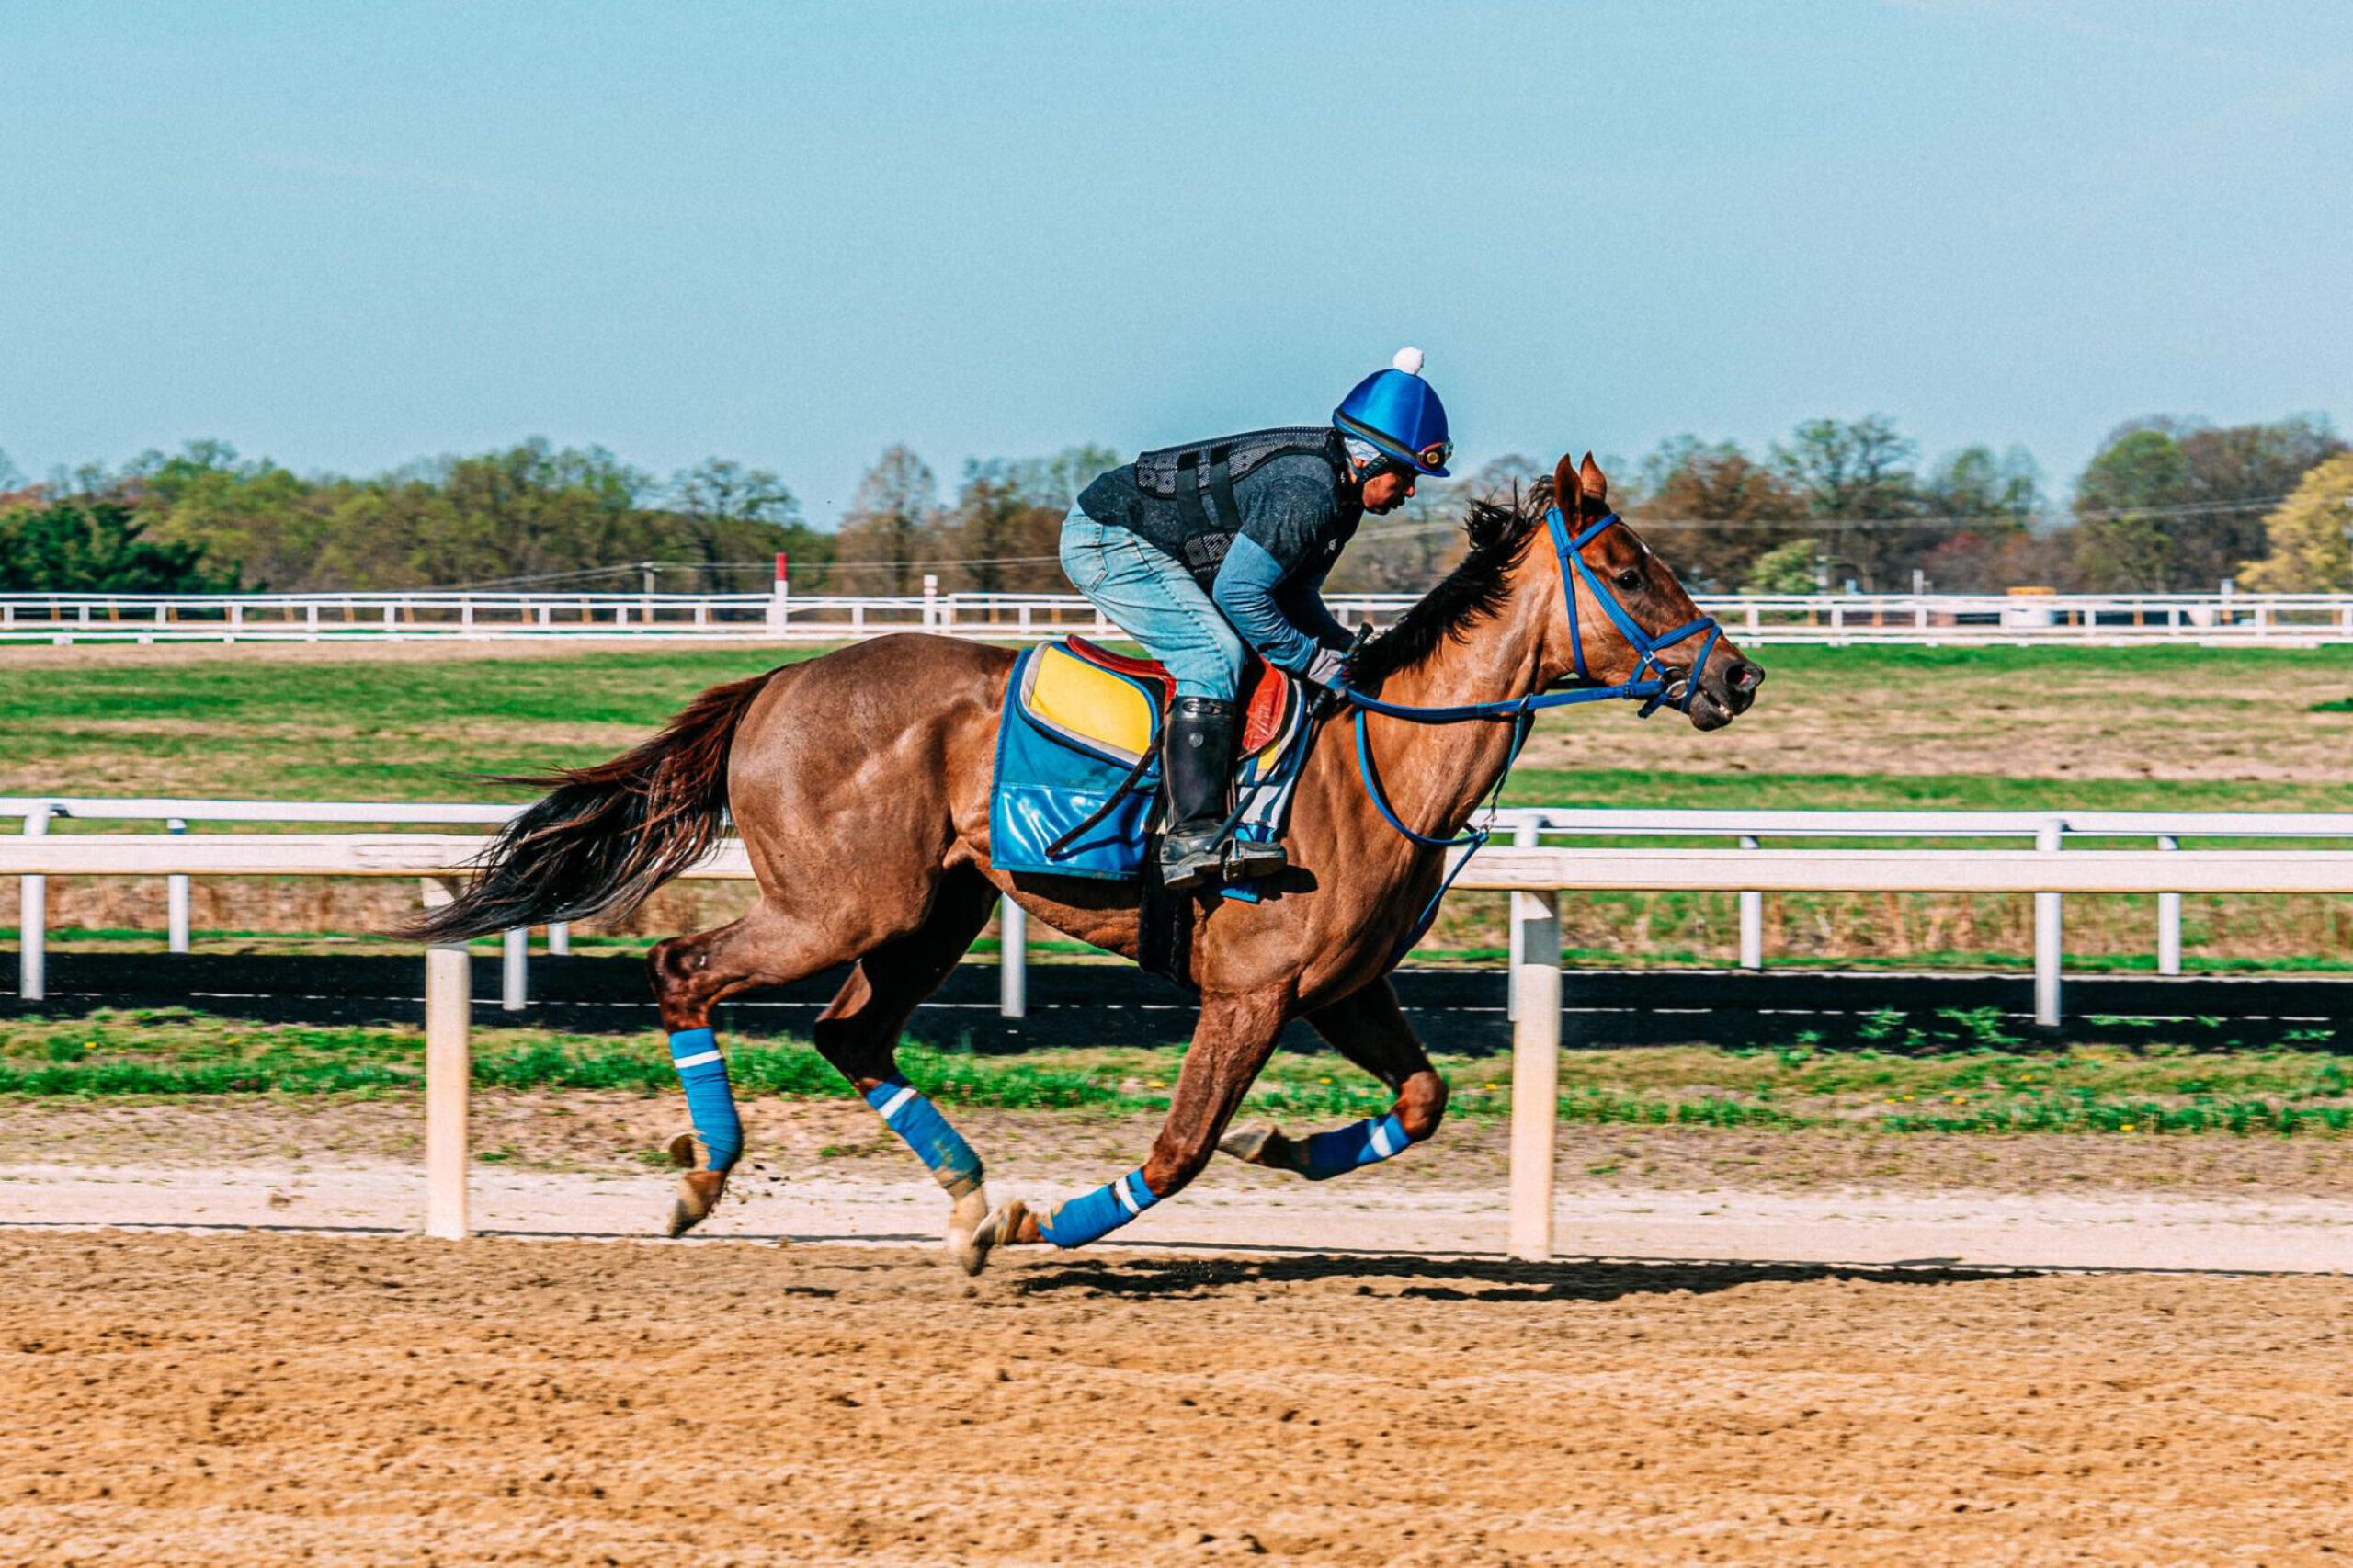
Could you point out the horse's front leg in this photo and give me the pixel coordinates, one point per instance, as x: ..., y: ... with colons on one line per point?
x: 1369, y: 1028
x: 1231, y: 1044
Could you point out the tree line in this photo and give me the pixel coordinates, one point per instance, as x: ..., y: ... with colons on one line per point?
x: 2164, y: 506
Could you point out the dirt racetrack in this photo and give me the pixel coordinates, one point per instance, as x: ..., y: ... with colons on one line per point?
x: 259, y: 1399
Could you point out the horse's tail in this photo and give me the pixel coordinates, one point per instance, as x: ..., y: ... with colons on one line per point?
x: 605, y: 837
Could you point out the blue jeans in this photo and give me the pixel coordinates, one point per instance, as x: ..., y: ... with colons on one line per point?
x: 1156, y: 601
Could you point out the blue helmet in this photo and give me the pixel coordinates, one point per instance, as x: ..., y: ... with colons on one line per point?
x: 1395, y: 411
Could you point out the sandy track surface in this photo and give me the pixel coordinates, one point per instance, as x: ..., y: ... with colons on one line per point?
x: 263, y: 1400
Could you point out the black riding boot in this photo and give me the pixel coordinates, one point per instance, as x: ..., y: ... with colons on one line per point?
x: 1196, y: 759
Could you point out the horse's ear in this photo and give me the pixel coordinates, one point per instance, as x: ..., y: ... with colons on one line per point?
x: 1591, y: 480
x: 1565, y: 488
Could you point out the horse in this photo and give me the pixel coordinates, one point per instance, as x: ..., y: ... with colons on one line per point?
x: 860, y: 783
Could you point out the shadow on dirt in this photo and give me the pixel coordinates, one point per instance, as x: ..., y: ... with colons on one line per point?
x: 1473, y: 1279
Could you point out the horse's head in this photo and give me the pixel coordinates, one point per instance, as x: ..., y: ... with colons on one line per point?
x: 1623, y: 615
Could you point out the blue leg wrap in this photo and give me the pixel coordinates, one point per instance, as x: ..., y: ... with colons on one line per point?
x: 915, y: 1118
x: 1093, y: 1215
x: 710, y: 1102
x: 1345, y: 1149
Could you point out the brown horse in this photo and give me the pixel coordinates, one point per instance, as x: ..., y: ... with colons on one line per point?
x: 859, y: 782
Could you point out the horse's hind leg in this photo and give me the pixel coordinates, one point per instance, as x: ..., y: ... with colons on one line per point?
x: 1231, y: 1043
x: 859, y: 1034
x: 691, y: 974
x: 1369, y: 1028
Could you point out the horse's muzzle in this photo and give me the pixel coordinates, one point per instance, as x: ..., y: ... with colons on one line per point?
x: 1724, y: 693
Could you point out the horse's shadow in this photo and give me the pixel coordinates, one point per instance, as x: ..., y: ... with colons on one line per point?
x: 1470, y: 1279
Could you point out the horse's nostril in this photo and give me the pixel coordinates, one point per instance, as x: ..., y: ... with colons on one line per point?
x: 1747, y: 676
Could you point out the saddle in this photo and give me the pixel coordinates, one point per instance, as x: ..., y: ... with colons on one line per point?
x: 1077, y: 783
x: 1063, y: 689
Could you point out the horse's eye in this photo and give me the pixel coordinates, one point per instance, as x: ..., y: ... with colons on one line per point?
x: 1629, y: 579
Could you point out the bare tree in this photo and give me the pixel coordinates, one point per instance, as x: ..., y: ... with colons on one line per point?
x: 891, y: 528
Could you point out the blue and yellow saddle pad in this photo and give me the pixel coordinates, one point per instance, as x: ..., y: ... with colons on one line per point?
x: 1078, y: 771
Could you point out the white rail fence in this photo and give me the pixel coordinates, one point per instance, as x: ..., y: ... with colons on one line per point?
x: 1535, y: 876
x: 1527, y: 826
x: 2274, y: 620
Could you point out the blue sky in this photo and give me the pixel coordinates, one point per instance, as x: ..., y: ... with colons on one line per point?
x: 346, y: 235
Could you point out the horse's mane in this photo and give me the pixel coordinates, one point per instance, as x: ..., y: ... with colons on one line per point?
x: 1499, y: 529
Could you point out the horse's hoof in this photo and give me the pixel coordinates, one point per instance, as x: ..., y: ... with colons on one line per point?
x: 1002, y: 1228
x: 964, y: 1222
x: 1248, y: 1144
x: 698, y: 1195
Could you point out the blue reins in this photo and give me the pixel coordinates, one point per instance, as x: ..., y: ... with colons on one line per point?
x: 1650, y: 683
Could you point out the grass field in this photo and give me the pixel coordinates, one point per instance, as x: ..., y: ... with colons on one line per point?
x: 2149, y: 728
x: 1994, y: 728
x: 1990, y: 1085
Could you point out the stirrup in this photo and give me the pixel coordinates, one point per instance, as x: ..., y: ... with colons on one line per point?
x: 1189, y: 859
x: 1247, y: 859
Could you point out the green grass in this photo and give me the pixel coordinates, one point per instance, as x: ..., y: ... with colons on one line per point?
x: 1957, y: 1073
x: 295, y: 728
x: 291, y: 728
x: 1908, y: 791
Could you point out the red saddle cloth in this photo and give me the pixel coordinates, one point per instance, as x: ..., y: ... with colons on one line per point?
x: 1266, y: 691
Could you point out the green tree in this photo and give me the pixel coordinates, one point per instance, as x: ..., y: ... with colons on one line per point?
x: 1860, y: 494
x: 1792, y: 568
x: 97, y: 545
x: 2311, y: 536
x: 733, y: 520
x: 2127, y: 504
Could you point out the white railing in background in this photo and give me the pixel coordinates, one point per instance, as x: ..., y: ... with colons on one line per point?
x: 1526, y: 827
x: 2280, y: 620
x: 1537, y: 875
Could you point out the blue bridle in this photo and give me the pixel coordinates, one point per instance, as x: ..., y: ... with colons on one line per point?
x: 1650, y: 683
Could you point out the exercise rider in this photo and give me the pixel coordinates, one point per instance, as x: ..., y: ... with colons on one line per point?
x: 1195, y: 550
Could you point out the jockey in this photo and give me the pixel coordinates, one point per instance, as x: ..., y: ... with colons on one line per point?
x: 1195, y: 551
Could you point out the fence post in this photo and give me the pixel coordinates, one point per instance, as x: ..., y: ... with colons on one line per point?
x: 515, y: 956
x: 449, y: 1071
x: 1013, y: 960
x: 175, y: 900
x: 1752, y: 920
x: 930, y: 602
x: 2168, y: 922
x: 33, y: 918
x: 2049, y: 938
x: 1535, y: 1103
x: 559, y: 938
x: 1526, y: 835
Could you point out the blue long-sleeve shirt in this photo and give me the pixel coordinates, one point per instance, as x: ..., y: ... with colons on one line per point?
x: 1285, y: 621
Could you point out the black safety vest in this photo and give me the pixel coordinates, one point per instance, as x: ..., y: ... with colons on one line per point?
x: 1183, y: 499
